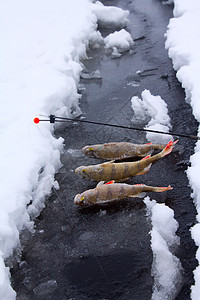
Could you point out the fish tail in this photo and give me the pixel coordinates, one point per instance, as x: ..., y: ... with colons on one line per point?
x: 168, y: 148
x: 162, y: 189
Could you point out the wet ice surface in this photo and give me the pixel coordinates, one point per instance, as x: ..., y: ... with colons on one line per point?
x: 104, y: 252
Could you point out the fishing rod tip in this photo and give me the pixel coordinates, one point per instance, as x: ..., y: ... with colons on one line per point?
x: 36, y: 120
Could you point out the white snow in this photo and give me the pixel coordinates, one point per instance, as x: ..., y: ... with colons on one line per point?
x: 166, y: 267
x: 155, y: 108
x: 42, y: 45
x: 119, y: 42
x: 111, y: 15
x: 183, y: 44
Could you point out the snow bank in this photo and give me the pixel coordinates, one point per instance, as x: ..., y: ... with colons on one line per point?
x: 155, y: 108
x: 183, y: 46
x: 166, y: 267
x: 196, y: 236
x: 42, y: 44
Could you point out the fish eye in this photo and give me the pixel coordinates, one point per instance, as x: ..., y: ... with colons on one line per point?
x: 82, y: 198
x: 84, y: 170
x: 90, y: 149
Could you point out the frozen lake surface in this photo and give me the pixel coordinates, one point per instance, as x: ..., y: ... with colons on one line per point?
x: 104, y: 252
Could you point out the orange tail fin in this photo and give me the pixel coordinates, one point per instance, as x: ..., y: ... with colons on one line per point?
x: 169, y: 147
x: 163, y: 189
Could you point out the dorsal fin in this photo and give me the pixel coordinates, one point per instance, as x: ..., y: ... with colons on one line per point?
x: 110, y: 182
x: 100, y: 183
x: 107, y: 163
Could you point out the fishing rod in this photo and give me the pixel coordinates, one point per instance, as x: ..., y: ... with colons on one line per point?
x: 53, y: 119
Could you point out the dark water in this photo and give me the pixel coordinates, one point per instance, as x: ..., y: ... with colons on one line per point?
x: 104, y: 252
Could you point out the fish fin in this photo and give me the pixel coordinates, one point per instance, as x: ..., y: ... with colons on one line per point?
x: 139, y: 195
x: 163, y: 189
x: 174, y: 143
x: 146, y: 157
x: 100, y: 183
x: 107, y: 162
x: 110, y: 182
x: 145, y: 170
x: 168, y: 148
x: 122, y: 180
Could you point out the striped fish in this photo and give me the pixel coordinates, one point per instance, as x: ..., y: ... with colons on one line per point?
x: 113, y: 151
x: 121, y: 171
x: 104, y: 193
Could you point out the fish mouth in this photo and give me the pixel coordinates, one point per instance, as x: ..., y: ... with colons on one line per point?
x: 88, y: 151
x: 80, y: 171
x: 77, y: 200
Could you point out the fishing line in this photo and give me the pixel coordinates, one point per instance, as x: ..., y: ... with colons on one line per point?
x: 104, y: 274
x: 53, y: 119
x: 62, y: 204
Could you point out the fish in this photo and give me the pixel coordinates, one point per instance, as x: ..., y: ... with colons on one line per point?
x: 120, y: 150
x: 122, y: 170
x: 104, y: 193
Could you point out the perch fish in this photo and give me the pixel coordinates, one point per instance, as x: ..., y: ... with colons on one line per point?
x: 122, y: 171
x: 114, y: 151
x: 104, y: 193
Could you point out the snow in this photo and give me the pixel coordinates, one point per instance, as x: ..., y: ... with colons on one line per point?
x: 111, y: 15
x: 153, y: 108
x: 42, y: 45
x: 183, y: 47
x: 119, y: 42
x: 166, y: 267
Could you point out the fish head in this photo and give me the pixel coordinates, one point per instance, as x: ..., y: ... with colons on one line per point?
x: 79, y: 199
x: 82, y: 171
x: 89, y: 151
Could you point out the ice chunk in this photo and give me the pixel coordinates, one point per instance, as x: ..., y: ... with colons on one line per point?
x: 75, y: 152
x: 45, y: 288
x: 118, y: 42
x: 138, y: 108
x: 110, y: 15
x: 155, y: 108
x: 102, y: 213
x: 91, y: 75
